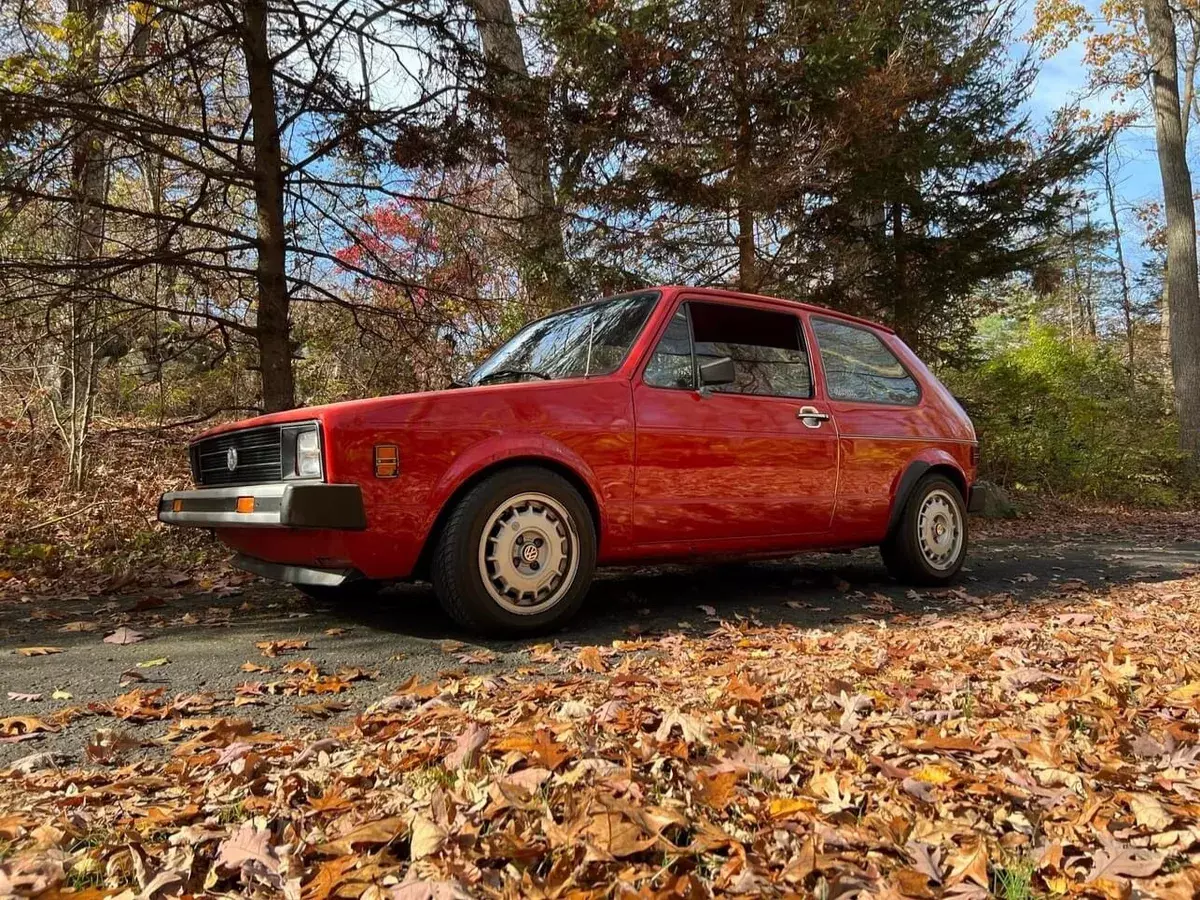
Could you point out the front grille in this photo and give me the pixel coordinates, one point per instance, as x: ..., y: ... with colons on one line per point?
x: 259, y: 457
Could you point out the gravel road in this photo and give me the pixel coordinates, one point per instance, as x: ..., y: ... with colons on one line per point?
x: 206, y: 636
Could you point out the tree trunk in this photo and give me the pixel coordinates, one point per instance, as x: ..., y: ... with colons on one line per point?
x: 903, y: 319
x: 89, y: 176
x: 1122, y: 271
x: 1181, y: 279
x: 520, y: 108
x: 273, y: 327
x: 1074, y: 303
x: 743, y: 155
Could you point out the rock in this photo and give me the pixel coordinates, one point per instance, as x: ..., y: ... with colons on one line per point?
x: 996, y: 503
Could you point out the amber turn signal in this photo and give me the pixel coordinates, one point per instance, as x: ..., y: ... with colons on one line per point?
x: 176, y: 506
x: 245, y: 504
x: 387, y: 460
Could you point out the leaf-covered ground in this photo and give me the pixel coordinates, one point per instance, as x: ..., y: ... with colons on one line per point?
x: 1014, y: 749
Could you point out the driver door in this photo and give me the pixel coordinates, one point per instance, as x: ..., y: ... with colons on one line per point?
x: 738, y: 460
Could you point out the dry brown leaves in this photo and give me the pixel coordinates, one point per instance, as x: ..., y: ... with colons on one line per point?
x: 1021, y: 751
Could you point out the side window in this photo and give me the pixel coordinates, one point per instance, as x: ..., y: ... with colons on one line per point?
x: 671, y: 364
x: 766, y: 348
x: 859, y: 366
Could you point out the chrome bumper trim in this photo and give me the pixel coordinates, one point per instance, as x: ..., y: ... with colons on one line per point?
x: 276, y: 505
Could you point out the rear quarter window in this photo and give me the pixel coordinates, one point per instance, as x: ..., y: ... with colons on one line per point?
x: 859, y: 366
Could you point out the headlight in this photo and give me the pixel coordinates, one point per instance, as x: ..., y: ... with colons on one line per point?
x: 302, y: 451
x: 308, y: 454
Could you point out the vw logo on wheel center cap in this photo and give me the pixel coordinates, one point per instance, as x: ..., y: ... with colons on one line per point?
x: 530, y: 553
x: 231, y: 458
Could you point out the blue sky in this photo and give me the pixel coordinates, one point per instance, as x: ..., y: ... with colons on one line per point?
x: 1062, y: 80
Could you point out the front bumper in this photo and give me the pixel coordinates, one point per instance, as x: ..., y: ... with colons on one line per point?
x: 278, y: 505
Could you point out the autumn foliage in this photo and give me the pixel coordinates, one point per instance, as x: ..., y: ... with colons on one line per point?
x: 997, y: 749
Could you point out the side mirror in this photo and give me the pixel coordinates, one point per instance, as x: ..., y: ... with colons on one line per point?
x: 717, y: 371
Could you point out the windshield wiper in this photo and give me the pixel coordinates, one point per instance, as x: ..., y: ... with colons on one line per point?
x: 512, y: 373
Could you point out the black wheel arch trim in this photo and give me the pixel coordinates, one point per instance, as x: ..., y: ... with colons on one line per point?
x: 916, y: 470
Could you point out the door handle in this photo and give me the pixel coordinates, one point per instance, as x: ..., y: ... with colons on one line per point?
x: 812, y: 417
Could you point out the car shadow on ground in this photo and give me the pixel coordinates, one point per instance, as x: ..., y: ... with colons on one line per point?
x: 808, y: 591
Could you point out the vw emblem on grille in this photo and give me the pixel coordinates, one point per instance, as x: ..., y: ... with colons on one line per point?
x: 231, y: 458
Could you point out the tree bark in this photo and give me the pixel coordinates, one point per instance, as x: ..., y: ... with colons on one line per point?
x: 904, y: 322
x: 743, y: 155
x: 89, y: 181
x: 272, y: 328
x: 1181, y: 284
x: 1122, y: 270
x: 521, y: 108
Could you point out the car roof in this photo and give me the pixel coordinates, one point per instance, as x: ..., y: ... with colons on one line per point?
x: 730, y: 294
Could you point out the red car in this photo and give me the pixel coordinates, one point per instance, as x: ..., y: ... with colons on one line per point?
x: 668, y: 424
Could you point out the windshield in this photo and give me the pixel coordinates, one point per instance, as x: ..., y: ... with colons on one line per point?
x: 585, y: 340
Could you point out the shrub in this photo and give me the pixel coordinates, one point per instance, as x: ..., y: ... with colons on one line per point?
x: 1066, y: 417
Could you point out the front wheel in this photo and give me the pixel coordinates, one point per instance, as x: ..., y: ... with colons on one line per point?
x: 516, y: 554
x: 929, y: 543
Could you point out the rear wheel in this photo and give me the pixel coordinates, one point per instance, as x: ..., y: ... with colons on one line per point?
x: 929, y: 544
x: 517, y: 553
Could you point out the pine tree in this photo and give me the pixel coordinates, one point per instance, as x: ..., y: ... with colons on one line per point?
x: 875, y: 157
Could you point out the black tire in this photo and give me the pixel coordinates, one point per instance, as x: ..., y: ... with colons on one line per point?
x: 350, y: 592
x: 456, y: 569
x: 902, y: 551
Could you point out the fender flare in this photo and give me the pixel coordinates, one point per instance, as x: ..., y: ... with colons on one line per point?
x: 511, y: 449
x: 914, y: 472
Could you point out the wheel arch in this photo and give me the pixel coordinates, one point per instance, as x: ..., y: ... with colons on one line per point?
x: 559, y: 467
x: 937, y: 463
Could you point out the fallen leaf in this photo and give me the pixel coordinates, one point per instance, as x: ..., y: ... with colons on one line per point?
x: 39, y: 651
x: 1149, y: 812
x: 125, y: 635
x: 933, y: 774
x: 15, y: 726
x: 969, y: 864
x: 589, y: 660
x: 1186, y: 693
x: 1119, y: 861
x: 371, y: 834
x: 717, y: 789
x: 77, y: 627
x: 248, y: 847
x: 466, y: 745
x: 322, y: 710
x: 785, y: 807
x: 274, y: 648
x: 420, y: 889
x: 426, y: 838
